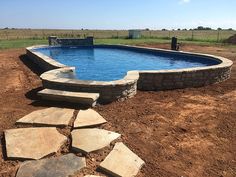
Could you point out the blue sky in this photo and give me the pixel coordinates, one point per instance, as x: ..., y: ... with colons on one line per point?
x: 117, y: 14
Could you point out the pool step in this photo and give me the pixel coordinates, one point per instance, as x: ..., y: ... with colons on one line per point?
x: 83, y: 98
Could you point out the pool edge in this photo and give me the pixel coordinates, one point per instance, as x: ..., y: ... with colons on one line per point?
x: 149, y: 80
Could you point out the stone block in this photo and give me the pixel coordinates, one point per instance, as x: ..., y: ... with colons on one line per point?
x: 122, y: 162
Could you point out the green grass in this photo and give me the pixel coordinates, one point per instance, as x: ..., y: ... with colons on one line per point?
x: 19, y: 38
x: 203, y: 35
x: 22, y: 43
x: 131, y: 41
x: 152, y: 41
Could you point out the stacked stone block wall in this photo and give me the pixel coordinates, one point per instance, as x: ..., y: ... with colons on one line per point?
x: 107, y: 93
x: 181, y: 79
x: 54, y: 41
x: 60, y: 77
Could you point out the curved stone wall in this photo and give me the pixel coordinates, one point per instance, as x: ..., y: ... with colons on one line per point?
x: 60, y: 77
x: 184, y: 78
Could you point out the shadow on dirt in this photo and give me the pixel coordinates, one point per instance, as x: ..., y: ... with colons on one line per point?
x: 32, y: 66
x: 32, y: 94
x: 4, y: 151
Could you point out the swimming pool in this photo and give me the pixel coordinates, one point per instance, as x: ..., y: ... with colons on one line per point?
x: 116, y: 72
x: 109, y: 64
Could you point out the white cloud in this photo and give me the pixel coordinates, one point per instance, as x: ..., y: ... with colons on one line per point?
x: 184, y: 1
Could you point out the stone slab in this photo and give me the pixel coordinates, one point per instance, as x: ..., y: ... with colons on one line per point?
x: 63, y: 166
x: 87, y: 118
x: 32, y: 143
x: 122, y: 162
x: 73, y: 97
x: 89, y: 140
x: 48, y: 117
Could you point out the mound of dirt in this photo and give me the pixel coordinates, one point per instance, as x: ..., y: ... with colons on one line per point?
x: 231, y: 40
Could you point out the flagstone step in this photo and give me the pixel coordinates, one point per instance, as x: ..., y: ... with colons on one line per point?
x: 32, y: 143
x: 63, y: 166
x: 88, y: 118
x: 48, y: 117
x: 93, y: 139
x: 122, y: 162
x: 83, y: 98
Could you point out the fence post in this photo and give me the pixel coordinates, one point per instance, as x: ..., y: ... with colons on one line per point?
x: 218, y: 36
x: 43, y: 34
x: 174, y: 43
x: 192, y: 35
x: 7, y: 34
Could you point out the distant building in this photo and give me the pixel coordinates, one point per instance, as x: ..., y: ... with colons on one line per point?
x: 134, y: 34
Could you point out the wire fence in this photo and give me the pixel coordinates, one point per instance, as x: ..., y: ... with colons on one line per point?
x: 189, y: 35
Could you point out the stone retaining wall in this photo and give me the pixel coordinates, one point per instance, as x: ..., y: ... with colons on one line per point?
x: 109, y: 91
x: 44, y: 62
x: 60, y: 77
x: 54, y: 41
x: 180, y: 78
x: 151, y: 81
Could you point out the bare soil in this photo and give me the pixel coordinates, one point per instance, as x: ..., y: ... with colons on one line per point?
x: 188, y: 132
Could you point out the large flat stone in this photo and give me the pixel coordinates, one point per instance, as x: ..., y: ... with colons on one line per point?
x: 88, y: 99
x: 122, y: 162
x: 89, y: 117
x: 63, y: 166
x: 48, y: 117
x: 88, y: 140
x: 32, y: 143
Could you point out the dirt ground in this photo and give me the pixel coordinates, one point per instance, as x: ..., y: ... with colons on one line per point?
x: 188, y: 132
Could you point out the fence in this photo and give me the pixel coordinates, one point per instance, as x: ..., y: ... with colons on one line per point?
x: 194, y: 35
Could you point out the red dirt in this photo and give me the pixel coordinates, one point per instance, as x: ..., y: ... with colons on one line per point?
x: 189, y: 132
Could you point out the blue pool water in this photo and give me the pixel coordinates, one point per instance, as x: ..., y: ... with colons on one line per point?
x: 107, y: 64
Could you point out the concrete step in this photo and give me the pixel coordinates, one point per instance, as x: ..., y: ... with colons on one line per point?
x: 83, y: 98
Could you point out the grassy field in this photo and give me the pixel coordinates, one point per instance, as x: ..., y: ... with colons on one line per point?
x: 19, y: 43
x: 150, y: 41
x: 187, y: 35
x: 22, y: 43
x: 17, y: 38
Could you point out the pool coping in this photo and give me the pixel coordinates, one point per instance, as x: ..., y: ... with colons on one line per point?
x: 55, y: 72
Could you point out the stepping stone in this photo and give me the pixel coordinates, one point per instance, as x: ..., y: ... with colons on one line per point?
x: 88, y: 140
x: 32, y: 143
x: 63, y: 166
x: 83, y: 98
x: 48, y: 117
x: 89, y: 117
x: 122, y: 162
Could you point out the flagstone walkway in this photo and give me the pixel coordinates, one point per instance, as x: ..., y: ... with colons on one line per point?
x: 36, y: 144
